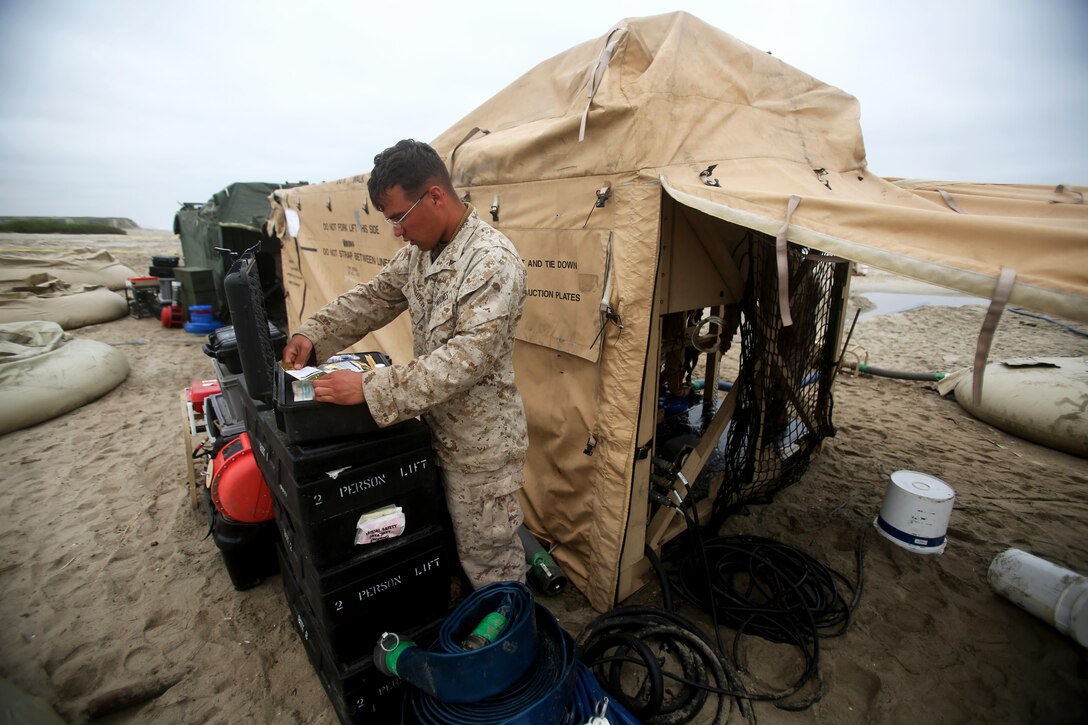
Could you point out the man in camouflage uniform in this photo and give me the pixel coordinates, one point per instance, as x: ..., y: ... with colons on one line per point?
x: 463, y: 285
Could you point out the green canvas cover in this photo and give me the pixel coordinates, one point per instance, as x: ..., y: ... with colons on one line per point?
x: 233, y: 218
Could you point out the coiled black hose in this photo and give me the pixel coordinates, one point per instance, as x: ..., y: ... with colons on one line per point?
x: 632, y: 636
x: 773, y: 590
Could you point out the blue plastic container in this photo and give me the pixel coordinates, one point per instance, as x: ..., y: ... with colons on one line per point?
x: 201, y: 321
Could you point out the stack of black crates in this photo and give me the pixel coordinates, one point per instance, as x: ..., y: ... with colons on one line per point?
x: 344, y: 595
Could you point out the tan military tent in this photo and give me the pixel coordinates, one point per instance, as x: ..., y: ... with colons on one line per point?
x: 627, y: 170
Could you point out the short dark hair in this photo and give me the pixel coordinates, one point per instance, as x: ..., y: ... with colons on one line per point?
x: 412, y: 165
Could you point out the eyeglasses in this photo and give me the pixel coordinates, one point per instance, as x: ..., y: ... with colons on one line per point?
x: 399, y: 221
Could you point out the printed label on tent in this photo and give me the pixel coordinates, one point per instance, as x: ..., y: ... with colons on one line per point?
x: 565, y: 281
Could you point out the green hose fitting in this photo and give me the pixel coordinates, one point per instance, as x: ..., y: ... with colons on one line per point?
x: 387, y: 653
x: 489, y: 628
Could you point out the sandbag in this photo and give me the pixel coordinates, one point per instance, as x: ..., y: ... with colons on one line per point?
x: 1042, y: 399
x: 45, y: 372
x: 80, y: 266
x: 44, y: 297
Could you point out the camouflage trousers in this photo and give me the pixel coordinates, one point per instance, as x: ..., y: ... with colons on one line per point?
x: 486, y: 516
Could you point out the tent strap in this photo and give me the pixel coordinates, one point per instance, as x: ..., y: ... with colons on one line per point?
x: 596, y: 73
x: 1005, y: 281
x: 780, y: 244
x: 475, y: 130
x: 950, y: 201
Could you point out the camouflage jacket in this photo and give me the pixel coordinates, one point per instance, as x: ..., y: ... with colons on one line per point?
x: 464, y: 308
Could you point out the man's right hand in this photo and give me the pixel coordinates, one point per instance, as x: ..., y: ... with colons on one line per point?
x: 297, y: 352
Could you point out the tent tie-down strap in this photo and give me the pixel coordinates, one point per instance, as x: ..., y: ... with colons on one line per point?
x: 1005, y: 281
x: 950, y: 201
x: 781, y: 244
x: 596, y: 73
x: 475, y: 130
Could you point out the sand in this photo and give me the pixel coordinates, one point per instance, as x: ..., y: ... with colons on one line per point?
x: 107, y: 577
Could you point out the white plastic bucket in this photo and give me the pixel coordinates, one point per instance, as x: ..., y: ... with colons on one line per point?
x: 915, y: 512
x: 1052, y: 593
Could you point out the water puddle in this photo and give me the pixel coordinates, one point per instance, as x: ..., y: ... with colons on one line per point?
x: 888, y: 303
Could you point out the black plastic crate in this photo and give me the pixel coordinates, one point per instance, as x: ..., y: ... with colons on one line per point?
x: 321, y: 489
x: 309, y: 420
x: 248, y: 550
x: 318, y: 481
x: 331, y: 542
x: 358, y: 691
x: 392, y: 583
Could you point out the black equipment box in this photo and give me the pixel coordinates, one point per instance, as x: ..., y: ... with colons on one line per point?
x: 222, y: 420
x: 309, y: 420
x: 222, y: 345
x: 248, y: 550
x: 230, y: 385
x: 245, y: 298
x: 398, y: 584
x: 359, y: 692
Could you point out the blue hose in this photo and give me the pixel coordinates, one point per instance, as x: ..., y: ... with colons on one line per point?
x: 451, y: 673
x: 524, y: 676
x: 590, y: 700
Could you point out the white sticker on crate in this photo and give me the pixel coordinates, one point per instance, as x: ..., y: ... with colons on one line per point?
x: 384, y: 523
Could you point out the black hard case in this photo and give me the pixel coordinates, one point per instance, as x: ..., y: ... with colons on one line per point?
x: 222, y: 420
x: 248, y: 550
x: 251, y: 329
x: 222, y: 345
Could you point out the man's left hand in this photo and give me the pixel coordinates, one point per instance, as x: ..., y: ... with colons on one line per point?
x: 343, y: 387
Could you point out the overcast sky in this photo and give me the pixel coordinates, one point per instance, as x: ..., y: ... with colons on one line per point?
x: 129, y: 107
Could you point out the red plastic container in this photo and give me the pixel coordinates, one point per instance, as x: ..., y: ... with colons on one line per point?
x: 238, y: 488
x: 171, y: 316
x: 198, y: 391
